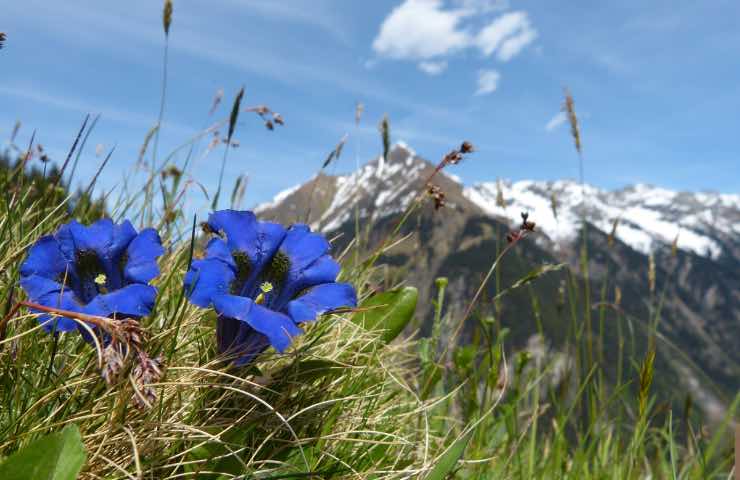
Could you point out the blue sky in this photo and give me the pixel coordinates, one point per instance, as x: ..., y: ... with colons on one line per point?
x: 656, y: 84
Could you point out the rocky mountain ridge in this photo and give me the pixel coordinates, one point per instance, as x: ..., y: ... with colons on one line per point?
x: 694, y: 239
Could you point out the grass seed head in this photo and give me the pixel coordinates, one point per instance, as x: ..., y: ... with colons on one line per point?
x: 385, y: 134
x: 359, y: 109
x: 437, y: 194
x: 613, y: 233
x: 234, y: 114
x: 167, y: 16
x: 216, y: 101
x: 569, y: 107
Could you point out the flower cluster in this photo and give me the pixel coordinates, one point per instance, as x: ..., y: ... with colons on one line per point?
x: 264, y: 280
x: 103, y: 269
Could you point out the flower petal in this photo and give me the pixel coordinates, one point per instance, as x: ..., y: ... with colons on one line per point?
x: 207, y: 279
x: 303, y: 247
x: 53, y: 323
x: 123, y: 234
x: 97, y: 237
x: 66, y: 241
x: 131, y: 301
x: 45, y: 259
x: 237, y: 339
x: 323, y: 270
x: 321, y: 299
x: 259, y: 240
x: 277, y: 327
x: 218, y: 249
x: 49, y: 293
x: 142, y: 252
x: 37, y: 286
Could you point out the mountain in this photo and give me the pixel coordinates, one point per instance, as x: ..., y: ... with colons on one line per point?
x: 692, y: 238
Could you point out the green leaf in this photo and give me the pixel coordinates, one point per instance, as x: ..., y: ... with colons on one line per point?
x: 449, y: 458
x: 389, y: 311
x: 58, y: 456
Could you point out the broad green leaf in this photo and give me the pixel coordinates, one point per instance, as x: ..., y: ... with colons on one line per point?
x: 389, y: 311
x: 449, y: 458
x: 57, y: 456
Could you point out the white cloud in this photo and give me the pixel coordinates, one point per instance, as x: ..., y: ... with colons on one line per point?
x: 431, y: 29
x: 482, y: 6
x: 421, y: 29
x: 487, y: 81
x: 556, y: 121
x: 514, y: 45
x: 507, y: 34
x: 433, y: 68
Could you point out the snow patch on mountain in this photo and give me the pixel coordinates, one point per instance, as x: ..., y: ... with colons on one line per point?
x: 279, y: 198
x: 646, y: 216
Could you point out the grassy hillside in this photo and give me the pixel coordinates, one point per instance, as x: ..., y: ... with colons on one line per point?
x: 351, y: 398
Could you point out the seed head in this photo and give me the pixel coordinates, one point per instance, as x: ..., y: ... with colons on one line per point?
x: 436, y: 192
x: 167, y: 16
x: 651, y: 273
x: 500, y: 201
x: 613, y: 234
x: 359, y: 109
x: 146, y: 372
x: 2, y: 39
x: 216, y: 101
x: 112, y: 363
x: 234, y: 114
x: 526, y: 224
x: 569, y: 107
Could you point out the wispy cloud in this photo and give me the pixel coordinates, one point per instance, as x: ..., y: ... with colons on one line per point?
x: 515, y: 43
x: 197, y: 35
x: 487, y: 82
x: 314, y: 13
x: 556, y: 121
x: 507, y: 35
x: 482, y: 6
x: 107, y: 112
x: 433, y: 68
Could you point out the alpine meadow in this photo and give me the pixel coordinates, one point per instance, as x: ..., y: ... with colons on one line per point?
x: 394, y: 314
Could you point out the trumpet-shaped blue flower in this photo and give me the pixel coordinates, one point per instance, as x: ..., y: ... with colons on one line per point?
x: 264, y: 280
x: 103, y: 269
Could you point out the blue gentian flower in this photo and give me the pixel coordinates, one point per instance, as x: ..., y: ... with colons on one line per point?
x: 264, y: 280
x: 103, y: 269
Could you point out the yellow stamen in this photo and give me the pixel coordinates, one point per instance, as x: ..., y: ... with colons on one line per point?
x: 266, y: 287
x: 101, y: 279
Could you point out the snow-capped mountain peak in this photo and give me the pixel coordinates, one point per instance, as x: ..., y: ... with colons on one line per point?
x: 645, y: 216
